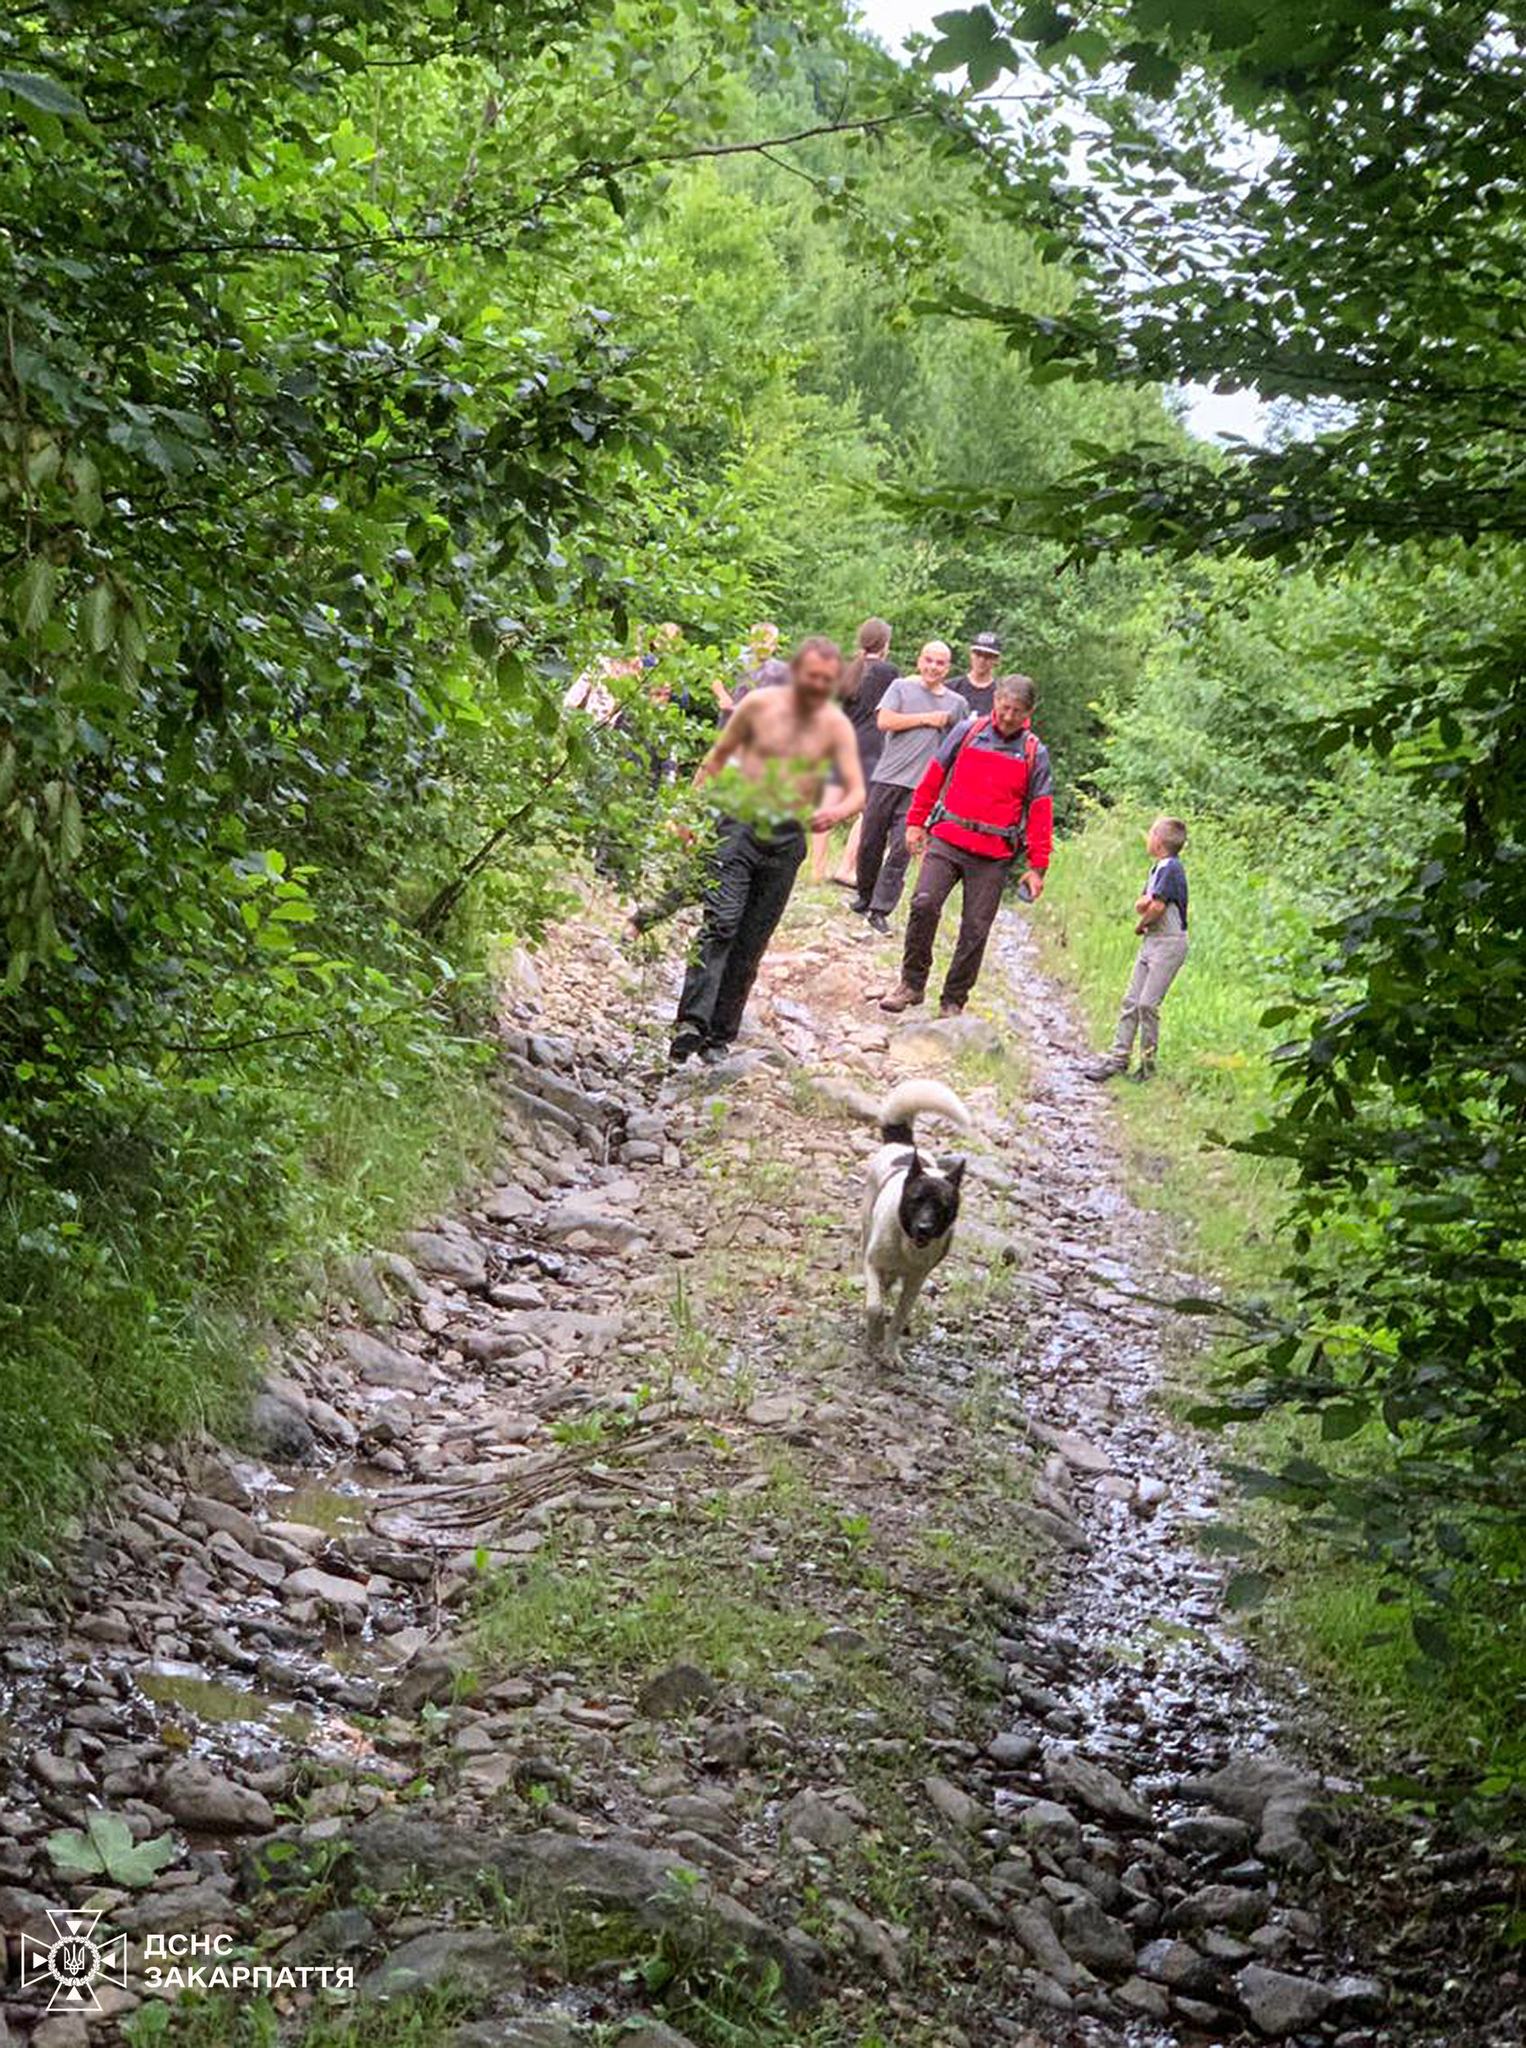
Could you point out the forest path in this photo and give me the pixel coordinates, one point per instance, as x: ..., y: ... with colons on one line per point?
x: 598, y: 1633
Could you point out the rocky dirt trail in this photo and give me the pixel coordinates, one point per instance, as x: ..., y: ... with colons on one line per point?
x: 588, y: 1647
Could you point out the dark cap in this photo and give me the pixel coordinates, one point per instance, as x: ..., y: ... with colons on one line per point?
x: 986, y: 643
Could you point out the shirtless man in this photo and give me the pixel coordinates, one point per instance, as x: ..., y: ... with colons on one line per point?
x: 788, y: 742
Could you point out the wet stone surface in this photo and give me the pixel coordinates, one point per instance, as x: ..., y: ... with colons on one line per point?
x: 953, y: 1738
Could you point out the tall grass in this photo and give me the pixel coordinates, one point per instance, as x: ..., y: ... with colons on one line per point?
x: 1249, y: 929
x: 146, y: 1259
x: 1250, y: 932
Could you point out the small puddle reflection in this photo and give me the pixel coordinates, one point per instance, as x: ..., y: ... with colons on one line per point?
x: 206, y: 1699
x: 339, y: 1503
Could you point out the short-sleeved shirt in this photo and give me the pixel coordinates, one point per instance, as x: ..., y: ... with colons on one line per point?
x: 979, y: 696
x: 905, y: 754
x: 768, y: 675
x: 863, y: 711
x: 1168, y: 885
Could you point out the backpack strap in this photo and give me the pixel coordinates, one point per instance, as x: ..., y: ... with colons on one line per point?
x: 1013, y: 834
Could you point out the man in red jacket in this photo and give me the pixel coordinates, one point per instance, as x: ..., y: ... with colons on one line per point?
x: 986, y: 793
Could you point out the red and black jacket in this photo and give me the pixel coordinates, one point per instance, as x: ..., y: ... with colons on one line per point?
x: 989, y: 794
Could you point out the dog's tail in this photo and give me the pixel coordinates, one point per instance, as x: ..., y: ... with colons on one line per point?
x: 911, y: 1099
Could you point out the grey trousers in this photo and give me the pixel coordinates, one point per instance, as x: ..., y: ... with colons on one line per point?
x: 1156, y: 966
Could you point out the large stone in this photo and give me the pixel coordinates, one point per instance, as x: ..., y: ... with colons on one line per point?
x: 1288, y: 1820
x: 1043, y: 1945
x: 1222, y: 1905
x: 431, y: 1680
x: 1090, y: 1936
x: 1078, y: 1781
x: 945, y: 1037
x: 341, y: 1931
x: 279, y: 1431
x: 1279, y: 2003
x: 681, y: 1689
x: 346, y: 1598
x: 645, y: 2033
x: 530, y: 2030
x: 870, y: 1938
x: 509, y: 1204
x: 61, y: 2030
x: 1052, y: 1528
x: 1010, y: 1751
x: 383, y: 1365
x: 953, y: 1804
x: 1356, y: 2000
x: 557, y: 1874
x: 1246, y: 1783
x: 1209, y: 1834
x: 203, y: 1801
x: 1178, y: 1965
x: 221, y: 1514
x: 1149, y: 2001
x: 809, y: 1817
x: 480, y: 1961
x: 1078, y: 1451
x: 565, y: 1330
x: 1049, y: 1824
x: 191, y: 1906
x: 584, y: 1216
x: 61, y: 1774
x: 459, y: 1260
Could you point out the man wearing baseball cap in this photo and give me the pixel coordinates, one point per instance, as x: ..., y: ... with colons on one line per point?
x: 978, y: 686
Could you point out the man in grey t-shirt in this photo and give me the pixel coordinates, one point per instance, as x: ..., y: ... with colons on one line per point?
x: 914, y: 714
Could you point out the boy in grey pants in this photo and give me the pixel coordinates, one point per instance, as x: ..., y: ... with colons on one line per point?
x: 1162, y: 915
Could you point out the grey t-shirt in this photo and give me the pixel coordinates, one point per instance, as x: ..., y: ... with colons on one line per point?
x: 905, y: 754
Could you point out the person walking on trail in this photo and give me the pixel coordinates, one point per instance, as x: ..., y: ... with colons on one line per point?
x: 787, y: 742
x: 864, y: 682
x: 1161, y: 914
x: 977, y: 686
x: 987, y: 795
x: 914, y: 713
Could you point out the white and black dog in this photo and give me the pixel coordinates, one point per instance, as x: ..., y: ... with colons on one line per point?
x: 911, y: 1204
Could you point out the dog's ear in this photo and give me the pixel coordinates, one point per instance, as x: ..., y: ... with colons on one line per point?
x: 953, y: 1173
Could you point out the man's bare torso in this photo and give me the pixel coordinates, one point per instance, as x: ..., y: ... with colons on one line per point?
x: 781, y: 738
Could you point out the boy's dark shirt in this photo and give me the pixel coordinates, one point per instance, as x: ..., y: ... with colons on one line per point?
x: 1168, y: 885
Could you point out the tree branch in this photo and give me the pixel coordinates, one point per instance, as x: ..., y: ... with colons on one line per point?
x: 587, y: 172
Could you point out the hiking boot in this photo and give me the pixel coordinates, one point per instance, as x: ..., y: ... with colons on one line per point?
x: 901, y: 998
x: 951, y: 1009
x: 858, y: 907
x: 714, y: 1055
x: 879, y: 922
x: 1145, y: 1071
x: 684, y: 1047
x: 1105, y: 1070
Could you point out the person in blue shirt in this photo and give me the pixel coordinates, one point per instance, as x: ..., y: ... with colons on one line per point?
x: 1162, y: 926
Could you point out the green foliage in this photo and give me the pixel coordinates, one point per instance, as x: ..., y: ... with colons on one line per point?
x: 1386, y: 131
x: 107, y: 1848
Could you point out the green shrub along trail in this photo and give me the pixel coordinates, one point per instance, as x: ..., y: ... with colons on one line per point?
x: 369, y: 370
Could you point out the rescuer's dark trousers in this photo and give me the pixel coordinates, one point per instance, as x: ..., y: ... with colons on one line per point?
x: 943, y: 868
x: 754, y: 874
x: 882, y: 855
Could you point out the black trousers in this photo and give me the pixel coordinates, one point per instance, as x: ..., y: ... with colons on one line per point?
x: 754, y: 875
x: 882, y: 854
x: 944, y: 866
